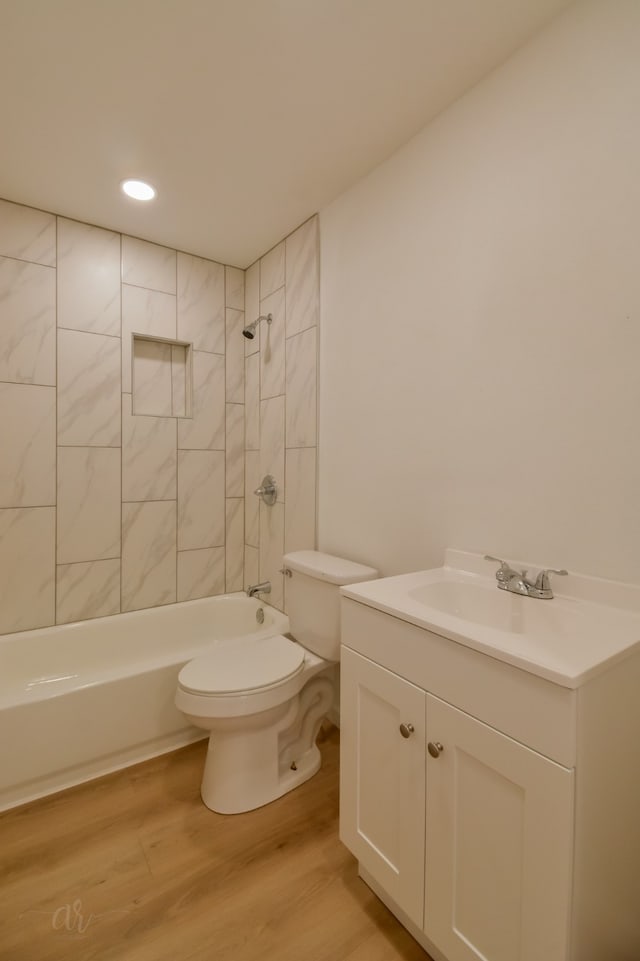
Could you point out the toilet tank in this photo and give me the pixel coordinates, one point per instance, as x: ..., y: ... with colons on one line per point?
x: 313, y: 598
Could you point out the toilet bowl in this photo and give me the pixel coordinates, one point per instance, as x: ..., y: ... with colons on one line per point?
x: 263, y: 712
x: 263, y: 700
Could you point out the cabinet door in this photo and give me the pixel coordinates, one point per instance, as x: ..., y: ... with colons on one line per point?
x: 499, y: 830
x: 382, y: 778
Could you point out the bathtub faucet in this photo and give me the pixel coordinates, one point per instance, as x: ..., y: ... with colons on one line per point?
x: 264, y: 588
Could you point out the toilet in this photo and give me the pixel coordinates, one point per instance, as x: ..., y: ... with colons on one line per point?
x: 263, y: 699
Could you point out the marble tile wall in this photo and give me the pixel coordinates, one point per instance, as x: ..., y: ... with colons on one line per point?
x: 280, y: 433
x: 101, y: 510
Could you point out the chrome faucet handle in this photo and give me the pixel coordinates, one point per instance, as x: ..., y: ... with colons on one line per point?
x: 504, y: 572
x: 542, y: 580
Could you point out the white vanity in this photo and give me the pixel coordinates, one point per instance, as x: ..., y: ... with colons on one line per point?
x: 490, y: 762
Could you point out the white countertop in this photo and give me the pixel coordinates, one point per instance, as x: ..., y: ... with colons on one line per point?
x: 567, y: 639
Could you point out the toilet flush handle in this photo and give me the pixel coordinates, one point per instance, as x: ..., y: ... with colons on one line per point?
x: 286, y: 571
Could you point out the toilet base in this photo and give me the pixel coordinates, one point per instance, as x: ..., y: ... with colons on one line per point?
x: 306, y: 768
x: 254, y: 762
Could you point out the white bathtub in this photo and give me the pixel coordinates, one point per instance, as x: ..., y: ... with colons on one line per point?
x: 80, y: 700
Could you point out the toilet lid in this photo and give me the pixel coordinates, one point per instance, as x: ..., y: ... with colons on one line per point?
x: 233, y: 668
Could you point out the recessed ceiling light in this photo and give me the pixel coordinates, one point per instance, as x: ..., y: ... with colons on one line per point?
x: 138, y: 189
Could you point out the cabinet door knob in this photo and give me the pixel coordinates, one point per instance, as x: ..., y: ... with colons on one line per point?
x: 407, y: 730
x: 435, y: 748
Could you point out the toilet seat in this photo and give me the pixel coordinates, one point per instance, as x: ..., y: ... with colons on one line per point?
x: 237, y: 669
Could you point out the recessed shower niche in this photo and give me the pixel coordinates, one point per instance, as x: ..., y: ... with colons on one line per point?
x: 161, y: 377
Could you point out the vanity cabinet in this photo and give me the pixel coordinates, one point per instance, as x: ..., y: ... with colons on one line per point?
x: 465, y: 797
x: 462, y: 833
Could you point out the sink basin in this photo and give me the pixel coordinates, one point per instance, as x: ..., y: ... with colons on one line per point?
x: 565, y: 639
x: 480, y: 603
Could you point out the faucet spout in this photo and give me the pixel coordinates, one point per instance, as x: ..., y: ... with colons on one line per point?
x: 518, y: 584
x: 263, y: 588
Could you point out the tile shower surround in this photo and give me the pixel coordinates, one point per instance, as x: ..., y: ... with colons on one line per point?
x: 102, y: 511
x: 285, y: 283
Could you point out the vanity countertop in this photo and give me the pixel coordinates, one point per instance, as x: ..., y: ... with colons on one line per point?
x: 589, y: 625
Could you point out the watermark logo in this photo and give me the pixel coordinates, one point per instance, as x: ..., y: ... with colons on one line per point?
x: 71, y: 919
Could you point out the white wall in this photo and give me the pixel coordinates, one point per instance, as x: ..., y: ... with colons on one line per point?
x: 480, y: 321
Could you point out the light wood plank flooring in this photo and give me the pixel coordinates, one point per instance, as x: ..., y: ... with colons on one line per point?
x: 133, y: 867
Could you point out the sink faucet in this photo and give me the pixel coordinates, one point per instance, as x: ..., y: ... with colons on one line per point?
x: 517, y: 583
x: 263, y: 588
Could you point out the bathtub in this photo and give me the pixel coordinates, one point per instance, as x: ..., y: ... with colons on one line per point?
x: 81, y: 700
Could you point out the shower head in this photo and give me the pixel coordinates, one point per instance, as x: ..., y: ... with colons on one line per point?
x: 250, y: 330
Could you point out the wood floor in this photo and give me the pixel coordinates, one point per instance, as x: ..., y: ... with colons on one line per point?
x: 133, y: 867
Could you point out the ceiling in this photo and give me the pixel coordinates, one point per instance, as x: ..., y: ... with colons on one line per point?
x: 247, y: 115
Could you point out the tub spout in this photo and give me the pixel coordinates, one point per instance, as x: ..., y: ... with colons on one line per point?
x: 264, y: 588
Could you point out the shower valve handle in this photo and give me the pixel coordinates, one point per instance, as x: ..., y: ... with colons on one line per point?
x: 268, y: 490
